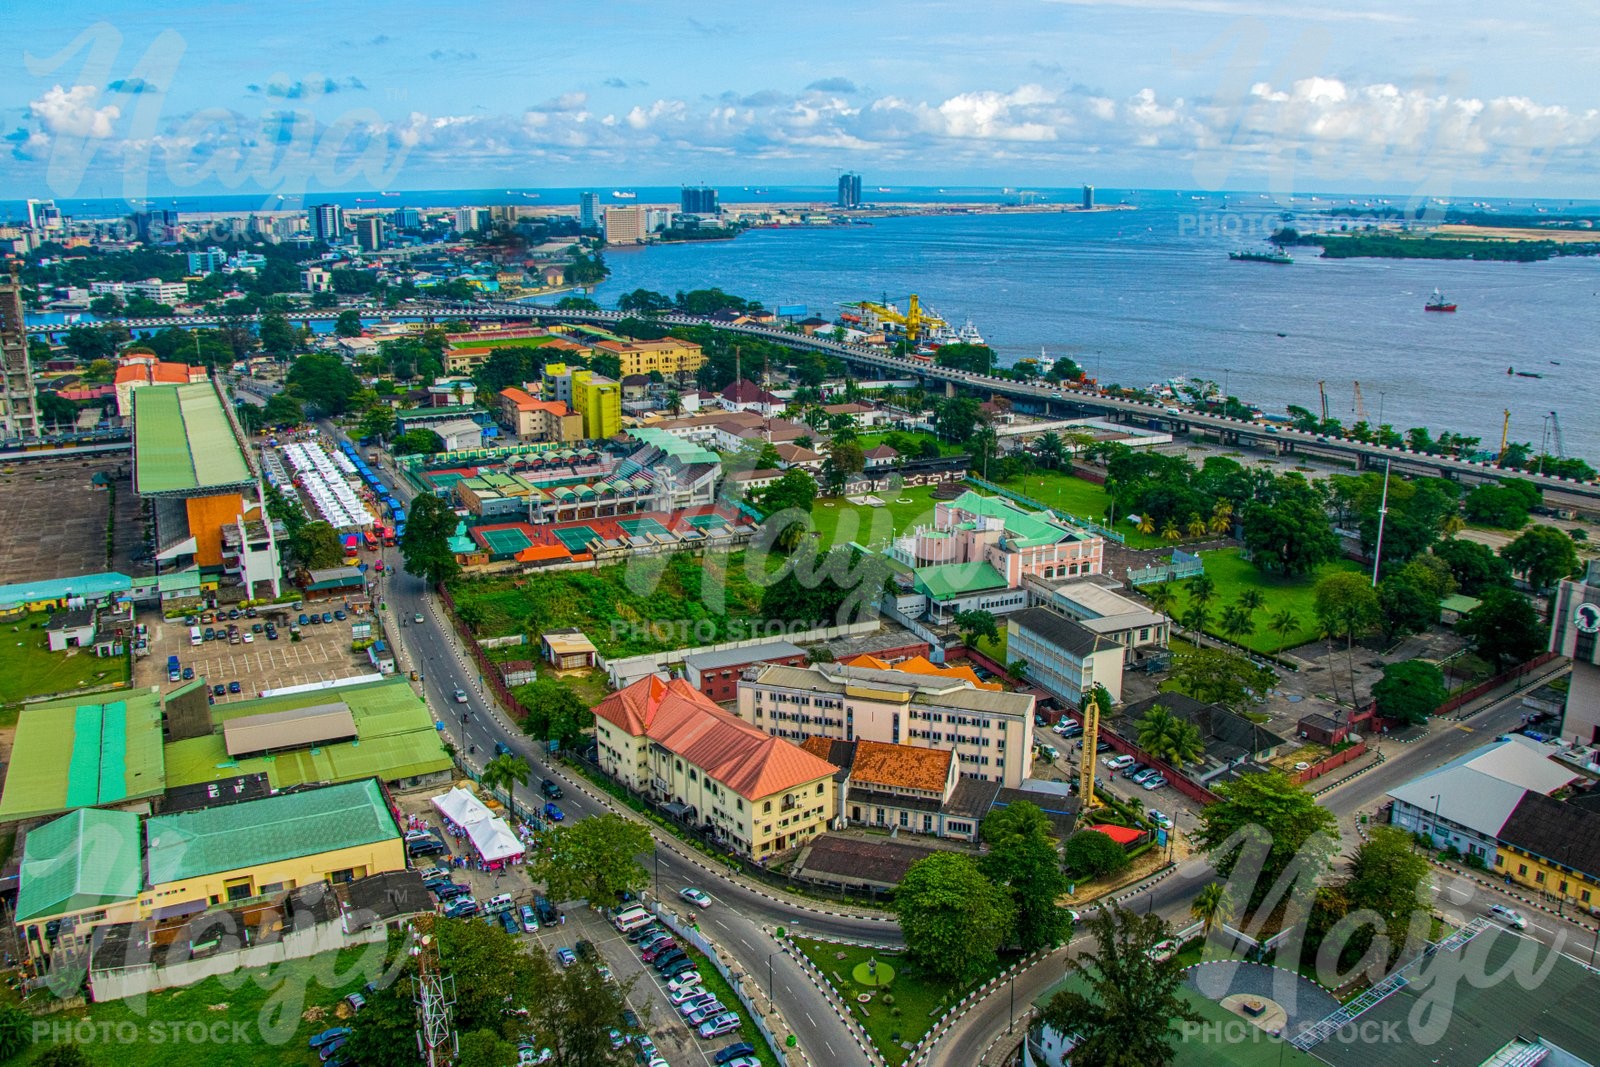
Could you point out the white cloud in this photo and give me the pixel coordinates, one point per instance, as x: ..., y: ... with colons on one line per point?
x: 71, y: 112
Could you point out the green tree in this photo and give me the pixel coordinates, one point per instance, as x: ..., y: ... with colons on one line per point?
x: 552, y: 711
x: 1237, y: 623
x: 1289, y: 534
x: 795, y: 490
x: 953, y: 919
x: 425, y: 546
x: 1504, y: 628
x: 956, y: 417
x: 1019, y: 820
x: 1269, y: 810
x: 348, y: 323
x: 16, y: 1031
x: 1474, y: 566
x: 1387, y: 874
x: 1210, y: 906
x: 1406, y: 608
x: 578, y: 1014
x: 831, y: 588
x: 1347, y: 606
x: 1543, y: 554
x: 419, y: 440
x: 278, y: 338
x: 844, y: 459
x: 1129, y: 1009
x: 377, y: 421
x: 976, y: 624
x: 322, y: 380
x: 1409, y: 691
x: 1213, y: 676
x: 282, y: 409
x: 1092, y: 853
x: 1202, y: 589
x: 1283, y: 624
x: 316, y: 545
x: 506, y: 771
x: 1028, y: 867
x: 594, y: 859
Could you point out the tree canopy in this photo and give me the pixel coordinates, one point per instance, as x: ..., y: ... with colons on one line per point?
x: 1505, y: 629
x: 1092, y: 853
x: 1409, y: 691
x: 594, y: 859
x: 1264, y: 809
x: 1542, y: 554
x: 323, y: 381
x: 953, y: 918
x: 1022, y: 858
x: 425, y: 546
x: 1214, y: 676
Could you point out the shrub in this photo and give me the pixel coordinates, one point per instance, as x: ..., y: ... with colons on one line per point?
x: 1090, y: 853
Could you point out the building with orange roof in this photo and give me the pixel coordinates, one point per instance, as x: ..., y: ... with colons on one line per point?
x: 761, y: 794
x: 143, y: 369
x: 905, y: 787
x: 668, y: 356
x: 922, y: 665
x: 533, y: 419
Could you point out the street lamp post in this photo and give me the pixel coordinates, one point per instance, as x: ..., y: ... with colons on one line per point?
x: 1434, y: 829
x: 1013, y: 984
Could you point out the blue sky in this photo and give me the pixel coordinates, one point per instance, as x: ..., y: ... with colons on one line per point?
x: 128, y: 99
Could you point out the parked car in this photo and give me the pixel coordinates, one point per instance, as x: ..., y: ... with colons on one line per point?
x: 698, y: 897
x: 340, y: 615
x: 550, y: 789
x: 683, y: 980
x: 644, y: 1048
x: 688, y: 1004
x: 700, y: 1015
x: 586, y: 950
x: 188, y: 673
x: 733, y: 1052
x: 219, y: 690
x: 1116, y: 763
x: 430, y: 847
x: 548, y: 913
x: 725, y: 1023
x: 529, y: 922
x: 356, y: 1001
x: 1510, y: 916
x: 751, y: 1061
x: 303, y: 620
x: 1139, y: 774
x: 461, y: 908
x: 233, y: 687
x: 452, y: 890
x: 646, y: 933
x: 329, y: 1036
x: 1160, y: 818
x: 686, y: 994
x: 327, y: 616
x: 553, y: 813
x: 674, y: 969
x: 671, y: 956
x: 509, y: 921
x: 658, y: 949
x: 1154, y: 782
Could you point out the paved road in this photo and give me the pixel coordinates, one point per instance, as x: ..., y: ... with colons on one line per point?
x: 738, y: 919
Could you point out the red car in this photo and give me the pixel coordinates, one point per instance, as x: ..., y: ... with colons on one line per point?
x: 658, y: 950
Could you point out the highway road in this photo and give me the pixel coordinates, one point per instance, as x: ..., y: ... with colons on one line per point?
x: 741, y: 916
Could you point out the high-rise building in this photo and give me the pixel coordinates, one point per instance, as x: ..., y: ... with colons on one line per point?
x: 151, y: 227
x: 697, y: 200
x: 40, y: 212
x: 1575, y: 622
x: 327, y: 222
x: 210, y: 261
x: 471, y: 219
x: 1088, y: 198
x: 20, y: 414
x: 849, y: 190
x: 407, y: 218
x: 369, y: 232
x: 624, y: 225
x: 589, y: 211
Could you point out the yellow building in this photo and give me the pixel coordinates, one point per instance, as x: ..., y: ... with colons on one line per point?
x: 762, y: 794
x: 85, y: 869
x: 668, y: 356
x: 599, y: 401
x: 1552, y: 847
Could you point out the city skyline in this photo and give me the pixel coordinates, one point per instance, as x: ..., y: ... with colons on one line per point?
x: 1117, y: 93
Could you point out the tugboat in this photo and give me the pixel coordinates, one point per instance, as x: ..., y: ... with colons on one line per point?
x: 1280, y: 257
x: 1437, y: 302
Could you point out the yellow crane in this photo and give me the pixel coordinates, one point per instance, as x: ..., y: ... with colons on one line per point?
x: 1505, y: 432
x: 915, y: 321
x: 1087, y: 801
x: 1322, y: 391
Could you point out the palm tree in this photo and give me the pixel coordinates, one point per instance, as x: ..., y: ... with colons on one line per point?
x: 1050, y: 449
x: 1147, y: 524
x: 1210, y: 906
x: 1237, y: 623
x: 1196, y: 617
x: 1197, y: 525
x: 1169, y: 738
x: 1283, y: 624
x: 1202, y: 589
x: 1155, y: 727
x: 507, y: 771
x: 1185, y: 745
x: 1252, y: 600
x: 1161, y: 595
x: 1221, y: 515
x: 1453, y: 524
x: 1170, y: 531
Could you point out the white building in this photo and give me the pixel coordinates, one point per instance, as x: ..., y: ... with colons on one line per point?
x: 1063, y: 656
x: 1102, y: 611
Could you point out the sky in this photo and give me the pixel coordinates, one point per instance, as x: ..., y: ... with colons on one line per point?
x: 131, y: 99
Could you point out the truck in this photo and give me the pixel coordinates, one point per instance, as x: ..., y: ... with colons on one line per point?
x: 174, y: 672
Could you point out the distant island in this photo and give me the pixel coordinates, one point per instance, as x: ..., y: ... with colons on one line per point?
x: 1460, y: 235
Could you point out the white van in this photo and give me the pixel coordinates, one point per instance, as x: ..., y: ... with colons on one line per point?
x: 195, y: 637
x: 632, y: 919
x: 495, y: 905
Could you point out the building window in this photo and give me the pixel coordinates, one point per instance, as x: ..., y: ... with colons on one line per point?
x: 767, y: 807
x: 1538, y: 877
x: 1522, y: 870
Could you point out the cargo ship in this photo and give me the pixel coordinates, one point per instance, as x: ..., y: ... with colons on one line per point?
x: 1437, y: 302
x: 1262, y: 257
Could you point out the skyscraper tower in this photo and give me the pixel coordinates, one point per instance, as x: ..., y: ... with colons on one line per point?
x: 697, y: 200
x: 589, y: 210
x: 20, y: 417
x: 849, y: 190
x: 1088, y: 198
x: 327, y: 222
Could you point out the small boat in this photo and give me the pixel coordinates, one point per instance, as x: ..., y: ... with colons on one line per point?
x: 1437, y: 302
x: 620, y: 194
x: 1528, y: 374
x: 1279, y: 257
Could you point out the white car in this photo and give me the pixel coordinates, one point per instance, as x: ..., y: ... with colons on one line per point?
x: 1160, y: 818
x: 1510, y: 916
x: 686, y: 980
x: 1154, y: 782
x: 688, y: 992
x: 698, y: 897
x: 1116, y: 763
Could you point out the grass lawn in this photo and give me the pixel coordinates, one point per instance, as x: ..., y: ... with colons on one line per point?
x: 28, y: 667
x: 511, y: 342
x: 841, y: 522
x: 1078, y: 497
x: 1233, y: 575
x: 914, y: 439
x: 996, y: 650
x: 918, y: 997
x: 253, y: 1018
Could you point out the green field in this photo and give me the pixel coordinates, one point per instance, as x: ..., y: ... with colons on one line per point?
x: 914, y: 437
x: 841, y: 522
x: 28, y: 667
x: 1080, y: 498
x: 1233, y: 574
x: 511, y: 342
x: 919, y: 998
x: 252, y: 1018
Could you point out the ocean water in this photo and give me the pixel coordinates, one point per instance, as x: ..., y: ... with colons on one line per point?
x: 1142, y: 296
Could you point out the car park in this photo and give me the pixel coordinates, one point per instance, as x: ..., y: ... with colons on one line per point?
x: 698, y: 897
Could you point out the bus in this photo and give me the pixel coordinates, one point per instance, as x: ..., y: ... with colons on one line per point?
x: 370, y: 539
x: 387, y: 532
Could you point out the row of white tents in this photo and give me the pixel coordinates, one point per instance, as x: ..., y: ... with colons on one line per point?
x: 326, y: 486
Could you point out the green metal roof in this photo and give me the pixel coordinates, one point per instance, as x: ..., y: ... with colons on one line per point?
x: 1460, y: 603
x: 676, y: 447
x: 183, y: 441
x: 91, y: 586
x: 235, y: 836
x: 946, y: 581
x: 174, y: 581
x: 74, y: 754
x: 1027, y: 529
x: 395, y: 734
x: 87, y: 859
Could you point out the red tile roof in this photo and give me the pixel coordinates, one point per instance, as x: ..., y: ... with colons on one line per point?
x: 154, y: 373
x: 1122, y: 835
x: 679, y: 717
x: 900, y: 766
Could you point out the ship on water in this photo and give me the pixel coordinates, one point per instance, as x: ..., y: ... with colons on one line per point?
x: 624, y: 194
x: 1262, y: 257
x: 1437, y: 302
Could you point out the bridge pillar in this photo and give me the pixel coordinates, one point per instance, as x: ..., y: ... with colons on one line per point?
x: 949, y: 387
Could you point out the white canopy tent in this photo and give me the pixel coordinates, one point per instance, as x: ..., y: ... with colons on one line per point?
x: 490, y: 835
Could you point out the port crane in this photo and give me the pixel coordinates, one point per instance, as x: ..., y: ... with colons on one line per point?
x: 1322, y: 391
x: 1361, y: 405
x: 916, y: 321
x: 1505, y: 433
x: 1555, y: 429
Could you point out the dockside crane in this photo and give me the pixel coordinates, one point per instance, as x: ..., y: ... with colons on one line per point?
x: 916, y: 321
x: 1505, y: 433
x: 1361, y: 405
x: 1555, y: 428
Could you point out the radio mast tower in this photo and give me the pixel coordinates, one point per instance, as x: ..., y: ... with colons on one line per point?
x: 436, y: 995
